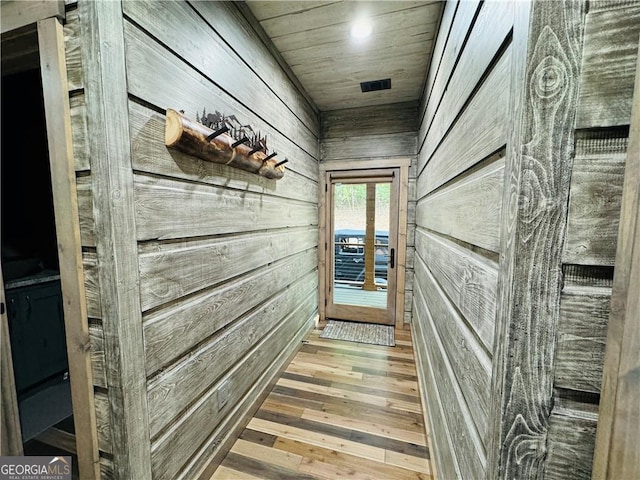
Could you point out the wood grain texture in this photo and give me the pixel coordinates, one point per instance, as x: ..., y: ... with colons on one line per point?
x: 91, y: 284
x: 73, y: 51
x: 167, y: 209
x: 535, y: 211
x: 582, y: 332
x: 480, y: 131
x: 146, y: 58
x: 461, y: 421
x: 305, y: 431
x: 231, y: 24
x: 594, y: 199
x: 489, y: 32
x: 609, y: 63
x: 102, y: 33
x: 375, y: 120
x: 443, y: 457
x: 97, y: 355
x: 68, y: 237
x: 468, y: 279
x: 236, y: 77
x: 178, y: 443
x: 617, y: 444
x: 173, y: 270
x: 194, y: 318
x: 571, y: 440
x: 16, y: 14
x: 151, y: 156
x: 469, y: 209
x: 456, y: 36
x: 186, y: 380
x: 218, y: 444
x: 79, y: 134
x: 368, y: 146
x: 470, y: 363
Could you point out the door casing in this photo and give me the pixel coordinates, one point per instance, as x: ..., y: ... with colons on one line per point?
x: 324, y: 268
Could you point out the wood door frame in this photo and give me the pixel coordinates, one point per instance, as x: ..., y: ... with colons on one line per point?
x: 50, y: 38
x: 617, y: 442
x: 403, y: 163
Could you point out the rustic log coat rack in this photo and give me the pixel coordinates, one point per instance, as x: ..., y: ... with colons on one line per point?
x: 217, y: 145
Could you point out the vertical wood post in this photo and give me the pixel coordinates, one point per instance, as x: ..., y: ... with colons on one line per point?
x: 65, y: 202
x: 10, y: 433
x: 102, y: 34
x: 370, y: 239
x: 617, y: 453
x: 533, y: 228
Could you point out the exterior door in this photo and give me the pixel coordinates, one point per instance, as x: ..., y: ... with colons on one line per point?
x: 362, y: 245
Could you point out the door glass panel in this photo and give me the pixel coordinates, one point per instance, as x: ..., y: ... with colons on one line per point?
x: 361, y: 243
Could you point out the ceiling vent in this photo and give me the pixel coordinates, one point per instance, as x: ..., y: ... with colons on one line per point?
x: 374, y: 85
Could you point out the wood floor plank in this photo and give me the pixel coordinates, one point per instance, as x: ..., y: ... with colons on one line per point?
x: 400, y: 434
x: 269, y: 455
x: 318, y: 439
x: 339, y: 410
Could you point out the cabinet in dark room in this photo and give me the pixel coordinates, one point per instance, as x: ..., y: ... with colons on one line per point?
x: 34, y: 306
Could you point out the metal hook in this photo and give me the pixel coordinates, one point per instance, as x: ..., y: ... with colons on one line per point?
x: 240, y: 142
x: 254, y: 150
x: 269, y: 156
x: 280, y: 163
x: 217, y: 133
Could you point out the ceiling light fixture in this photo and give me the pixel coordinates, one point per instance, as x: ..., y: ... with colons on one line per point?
x: 361, y: 28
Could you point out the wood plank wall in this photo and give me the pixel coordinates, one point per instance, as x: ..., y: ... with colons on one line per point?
x: 466, y: 118
x: 227, y: 260
x: 609, y: 58
x: 463, y: 131
x: 377, y: 133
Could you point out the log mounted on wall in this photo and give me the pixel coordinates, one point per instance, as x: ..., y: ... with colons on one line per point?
x: 191, y: 137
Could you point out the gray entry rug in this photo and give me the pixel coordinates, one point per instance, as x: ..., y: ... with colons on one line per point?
x: 360, y: 332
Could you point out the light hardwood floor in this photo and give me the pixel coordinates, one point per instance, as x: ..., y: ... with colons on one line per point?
x: 340, y: 410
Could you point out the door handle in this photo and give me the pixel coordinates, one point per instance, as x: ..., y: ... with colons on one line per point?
x: 393, y: 257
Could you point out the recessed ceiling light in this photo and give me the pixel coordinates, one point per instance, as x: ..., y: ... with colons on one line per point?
x: 361, y: 28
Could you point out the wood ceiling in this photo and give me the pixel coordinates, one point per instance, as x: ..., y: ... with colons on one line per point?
x: 314, y: 39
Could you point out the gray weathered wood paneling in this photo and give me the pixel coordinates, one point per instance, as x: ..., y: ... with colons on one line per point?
x: 569, y: 449
x: 594, y: 198
x: 194, y: 318
x: 468, y: 209
x: 181, y: 87
x: 582, y: 335
x: 369, y: 146
x: 167, y: 209
x: 464, y: 434
x: 219, y: 63
x: 443, y: 453
x: 169, y: 271
x: 216, y: 247
x: 470, y: 362
x: 469, y: 280
x: 609, y: 64
x: 206, y: 421
x: 464, y: 124
x: 187, y: 380
x: 376, y: 120
x: 150, y: 155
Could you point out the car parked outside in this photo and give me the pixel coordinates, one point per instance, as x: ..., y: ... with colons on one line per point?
x: 349, y: 256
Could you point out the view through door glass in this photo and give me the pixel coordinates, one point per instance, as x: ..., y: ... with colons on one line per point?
x: 361, y: 213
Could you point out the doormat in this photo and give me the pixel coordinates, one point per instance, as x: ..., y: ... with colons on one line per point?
x: 360, y: 332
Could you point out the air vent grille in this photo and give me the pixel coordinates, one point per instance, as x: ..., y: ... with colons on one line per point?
x: 374, y: 85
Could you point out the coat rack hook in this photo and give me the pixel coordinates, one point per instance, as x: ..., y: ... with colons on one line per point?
x: 240, y: 142
x: 217, y: 133
x: 254, y: 150
x: 280, y: 163
x: 269, y: 156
